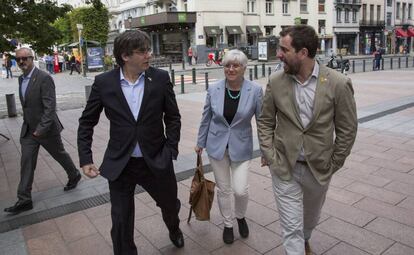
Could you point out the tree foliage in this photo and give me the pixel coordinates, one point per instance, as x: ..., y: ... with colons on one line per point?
x: 30, y: 21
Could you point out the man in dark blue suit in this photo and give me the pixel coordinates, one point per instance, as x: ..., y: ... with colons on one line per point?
x: 138, y: 101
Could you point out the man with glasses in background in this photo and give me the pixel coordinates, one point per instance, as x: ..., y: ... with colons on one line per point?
x: 145, y: 124
x: 41, y: 126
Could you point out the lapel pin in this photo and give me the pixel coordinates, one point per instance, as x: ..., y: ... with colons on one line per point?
x: 149, y: 78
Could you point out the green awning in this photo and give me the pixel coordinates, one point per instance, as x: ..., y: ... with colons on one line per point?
x: 234, y: 30
x: 254, y: 30
x: 212, y: 30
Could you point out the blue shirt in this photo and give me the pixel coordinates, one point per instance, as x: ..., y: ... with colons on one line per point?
x: 25, y: 82
x: 134, y: 93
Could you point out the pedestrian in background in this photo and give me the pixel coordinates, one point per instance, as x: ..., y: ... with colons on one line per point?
x: 8, y: 65
x: 41, y: 127
x: 226, y: 133
x: 190, y: 55
x: 306, y: 130
x: 377, y: 58
x: 73, y: 64
x: 140, y: 104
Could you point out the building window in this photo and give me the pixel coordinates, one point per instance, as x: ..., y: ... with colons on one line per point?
x: 378, y: 12
x: 389, y: 3
x: 371, y: 13
x: 303, y: 21
x: 389, y: 17
x: 346, y: 15
x: 251, y: 6
x: 403, y: 11
x: 269, y: 6
x: 410, y: 7
x: 321, y: 26
x: 269, y: 30
x: 285, y: 6
x: 364, y: 12
x: 321, y: 6
x: 354, y: 15
x: 398, y: 11
x: 338, y: 15
x: 303, y: 5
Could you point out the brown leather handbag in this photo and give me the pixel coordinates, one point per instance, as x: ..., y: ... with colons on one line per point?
x: 201, y: 194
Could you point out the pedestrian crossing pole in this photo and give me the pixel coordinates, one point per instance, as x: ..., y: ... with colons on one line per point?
x: 206, y: 78
x: 194, y: 75
x: 182, y: 84
x: 173, y: 77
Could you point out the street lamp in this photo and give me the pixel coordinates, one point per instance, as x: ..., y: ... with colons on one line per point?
x: 80, y: 28
x: 130, y: 22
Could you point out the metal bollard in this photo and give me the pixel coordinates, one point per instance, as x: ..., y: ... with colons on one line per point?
x: 182, y: 84
x: 263, y: 70
x: 353, y: 66
x: 406, y: 62
x: 193, y: 71
x: 183, y: 63
x: 206, y: 78
x: 363, y: 65
x: 11, y: 105
x: 250, y: 74
x: 413, y: 61
x: 173, y: 77
x: 88, y: 89
x: 269, y: 71
x: 399, y: 62
x: 391, y: 60
x: 373, y: 64
x: 170, y: 66
x: 255, y: 72
x: 382, y: 64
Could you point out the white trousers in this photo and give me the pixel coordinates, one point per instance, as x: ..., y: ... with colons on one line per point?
x: 299, y: 202
x: 231, y: 178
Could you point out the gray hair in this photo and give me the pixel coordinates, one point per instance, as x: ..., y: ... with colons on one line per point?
x: 235, y: 56
x: 28, y: 50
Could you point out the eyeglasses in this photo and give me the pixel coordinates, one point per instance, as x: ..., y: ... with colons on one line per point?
x: 24, y: 59
x: 234, y: 66
x: 143, y: 51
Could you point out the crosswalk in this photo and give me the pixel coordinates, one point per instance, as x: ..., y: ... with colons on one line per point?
x: 188, y: 79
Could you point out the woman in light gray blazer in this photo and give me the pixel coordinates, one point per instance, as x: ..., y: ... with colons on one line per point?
x: 226, y: 133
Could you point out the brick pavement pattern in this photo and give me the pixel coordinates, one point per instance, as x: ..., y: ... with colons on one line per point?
x: 369, y: 207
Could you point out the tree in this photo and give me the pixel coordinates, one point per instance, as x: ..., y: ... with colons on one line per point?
x: 30, y: 21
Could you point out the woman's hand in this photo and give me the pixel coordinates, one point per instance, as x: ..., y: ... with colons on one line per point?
x: 198, y: 150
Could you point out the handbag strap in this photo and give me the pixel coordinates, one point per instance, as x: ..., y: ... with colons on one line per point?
x: 189, y: 214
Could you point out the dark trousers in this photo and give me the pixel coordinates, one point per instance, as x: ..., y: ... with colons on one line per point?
x: 74, y: 66
x: 8, y: 71
x: 30, y: 150
x: 162, y: 189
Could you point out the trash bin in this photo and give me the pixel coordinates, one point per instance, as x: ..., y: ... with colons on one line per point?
x: 11, y: 105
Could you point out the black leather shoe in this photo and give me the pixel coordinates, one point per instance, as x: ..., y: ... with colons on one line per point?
x: 243, y: 228
x: 19, y: 207
x: 228, y: 236
x: 72, y: 183
x: 177, y: 238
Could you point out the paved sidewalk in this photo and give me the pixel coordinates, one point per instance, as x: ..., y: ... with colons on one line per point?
x: 368, y: 211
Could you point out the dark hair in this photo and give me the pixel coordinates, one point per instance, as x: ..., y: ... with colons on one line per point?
x: 128, y: 41
x: 303, y: 36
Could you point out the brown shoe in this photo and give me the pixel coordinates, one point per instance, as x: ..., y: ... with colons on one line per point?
x: 308, y: 250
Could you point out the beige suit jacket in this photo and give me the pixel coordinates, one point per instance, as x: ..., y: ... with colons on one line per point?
x: 328, y: 138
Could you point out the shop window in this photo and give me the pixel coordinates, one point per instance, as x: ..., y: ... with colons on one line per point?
x: 303, y: 5
x: 321, y: 6
x: 269, y: 30
x: 269, y: 6
x: 285, y: 6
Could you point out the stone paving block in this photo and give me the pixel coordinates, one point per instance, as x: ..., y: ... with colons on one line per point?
x: 345, y: 249
x: 380, y: 155
x: 11, y: 238
x: 103, y: 225
x: 189, y: 248
x: 70, y: 196
x: 90, y: 245
x: 366, y: 146
x: 280, y: 250
x: 145, y: 247
x: 399, y: 249
x: 205, y: 233
x: 321, y: 242
x: 407, y: 203
x: 16, y: 249
x: 392, y: 230
x: 376, y: 193
x: 385, y: 210
x: 400, y: 187
x: 347, y: 213
x: 260, y: 239
x: 144, y: 210
x: 154, y: 230
x: 361, y: 167
x: 260, y: 214
x: 396, y: 176
x: 392, y: 165
x: 358, y: 237
x: 75, y: 226
x: 39, y: 229
x: 237, y: 247
x: 343, y: 196
x: 339, y: 181
x: 364, y: 178
x: 357, y: 157
x: 261, y: 195
x: 98, y: 211
x: 48, y: 244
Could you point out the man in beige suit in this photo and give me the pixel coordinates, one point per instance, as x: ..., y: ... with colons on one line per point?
x: 306, y: 130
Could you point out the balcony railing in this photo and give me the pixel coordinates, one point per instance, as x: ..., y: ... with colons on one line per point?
x: 373, y: 23
x: 357, y: 2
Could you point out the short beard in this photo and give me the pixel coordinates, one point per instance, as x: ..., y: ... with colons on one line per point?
x: 292, y: 69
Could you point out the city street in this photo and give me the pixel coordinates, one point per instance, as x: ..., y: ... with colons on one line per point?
x: 368, y: 211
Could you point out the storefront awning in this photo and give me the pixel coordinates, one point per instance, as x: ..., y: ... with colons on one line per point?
x: 254, y: 30
x: 399, y: 32
x: 410, y: 32
x: 234, y: 30
x: 212, y: 31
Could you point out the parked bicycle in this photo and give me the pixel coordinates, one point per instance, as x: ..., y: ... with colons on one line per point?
x: 212, y: 59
